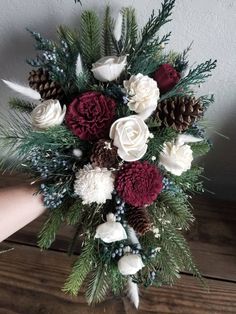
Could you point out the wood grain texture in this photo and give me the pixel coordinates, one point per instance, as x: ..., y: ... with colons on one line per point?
x: 212, y: 237
x: 30, y: 283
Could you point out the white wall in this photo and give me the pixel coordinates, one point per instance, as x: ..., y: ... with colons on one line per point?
x: 210, y: 24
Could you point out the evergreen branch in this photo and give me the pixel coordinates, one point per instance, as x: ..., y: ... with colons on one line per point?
x: 58, y: 137
x: 21, y: 105
x: 175, y: 208
x: 189, y: 180
x: 90, y: 38
x: 181, y: 62
x: 81, y: 268
x: 75, y: 213
x: 129, y: 31
x: 153, y: 25
x: 200, y: 148
x: 195, y: 76
x: 150, y: 58
x: 207, y: 100
x: 107, y: 36
x: 97, y: 286
x: 50, y: 228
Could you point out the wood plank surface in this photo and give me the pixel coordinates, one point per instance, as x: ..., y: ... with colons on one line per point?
x: 30, y: 280
x: 34, y: 279
x: 212, y: 237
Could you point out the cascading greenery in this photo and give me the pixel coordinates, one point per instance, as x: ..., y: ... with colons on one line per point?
x: 96, y: 267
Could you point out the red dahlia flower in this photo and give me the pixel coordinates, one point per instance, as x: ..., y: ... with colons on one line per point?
x: 90, y: 115
x: 139, y: 183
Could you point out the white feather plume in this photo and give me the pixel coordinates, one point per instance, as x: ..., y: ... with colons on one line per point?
x: 78, y: 67
x: 118, y: 27
x: 132, y: 235
x: 26, y: 91
x: 187, y: 138
x: 133, y: 292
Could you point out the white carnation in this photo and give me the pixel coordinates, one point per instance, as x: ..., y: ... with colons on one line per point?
x: 130, y: 134
x: 143, y: 94
x: 175, y: 158
x: 47, y: 114
x: 111, y: 230
x: 94, y: 184
x: 130, y: 264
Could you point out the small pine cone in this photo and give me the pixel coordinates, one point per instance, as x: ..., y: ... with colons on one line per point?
x: 139, y: 220
x: 104, y: 155
x: 179, y: 112
x: 40, y: 81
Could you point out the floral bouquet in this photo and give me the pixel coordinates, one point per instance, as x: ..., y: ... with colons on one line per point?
x: 109, y: 132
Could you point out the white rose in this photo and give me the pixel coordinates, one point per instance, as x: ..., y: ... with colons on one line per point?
x: 109, y: 68
x: 111, y: 230
x: 130, y: 264
x: 130, y: 135
x: 143, y: 94
x: 47, y: 114
x: 175, y: 158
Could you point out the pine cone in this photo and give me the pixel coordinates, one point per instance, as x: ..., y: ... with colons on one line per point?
x: 104, y: 155
x: 138, y: 218
x: 179, y: 112
x: 40, y: 81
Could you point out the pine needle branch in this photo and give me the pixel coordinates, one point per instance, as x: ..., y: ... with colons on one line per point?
x: 90, y: 38
x: 97, y: 286
x: 81, y: 268
x: 48, y: 233
x: 108, y: 48
x: 21, y: 105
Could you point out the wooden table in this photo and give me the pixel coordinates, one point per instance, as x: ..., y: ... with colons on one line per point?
x: 30, y: 280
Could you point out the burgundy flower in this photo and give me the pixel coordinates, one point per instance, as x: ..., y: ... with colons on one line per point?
x: 90, y: 115
x: 166, y: 77
x: 139, y: 183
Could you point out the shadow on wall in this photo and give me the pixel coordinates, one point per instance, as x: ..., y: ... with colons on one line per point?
x: 220, y: 162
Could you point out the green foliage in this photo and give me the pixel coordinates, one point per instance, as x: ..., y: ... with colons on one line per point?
x: 21, y: 105
x: 190, y: 180
x: 108, y: 48
x: 175, y: 246
x: 98, y: 284
x: 90, y: 38
x: 149, y: 32
x: 129, y: 31
x: 200, y: 148
x: 117, y: 282
x: 196, y: 76
x: 75, y: 212
x: 181, y: 62
x: 58, y: 58
x: 207, y: 100
x: 150, y: 58
x: 13, y: 130
x: 50, y: 228
x: 56, y: 138
x: 81, y: 268
x: 175, y: 208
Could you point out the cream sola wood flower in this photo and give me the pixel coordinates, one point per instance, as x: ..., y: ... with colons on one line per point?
x: 143, y: 94
x: 111, y: 230
x: 176, y: 156
x: 109, y: 68
x: 130, y: 135
x: 47, y: 114
x: 94, y: 184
